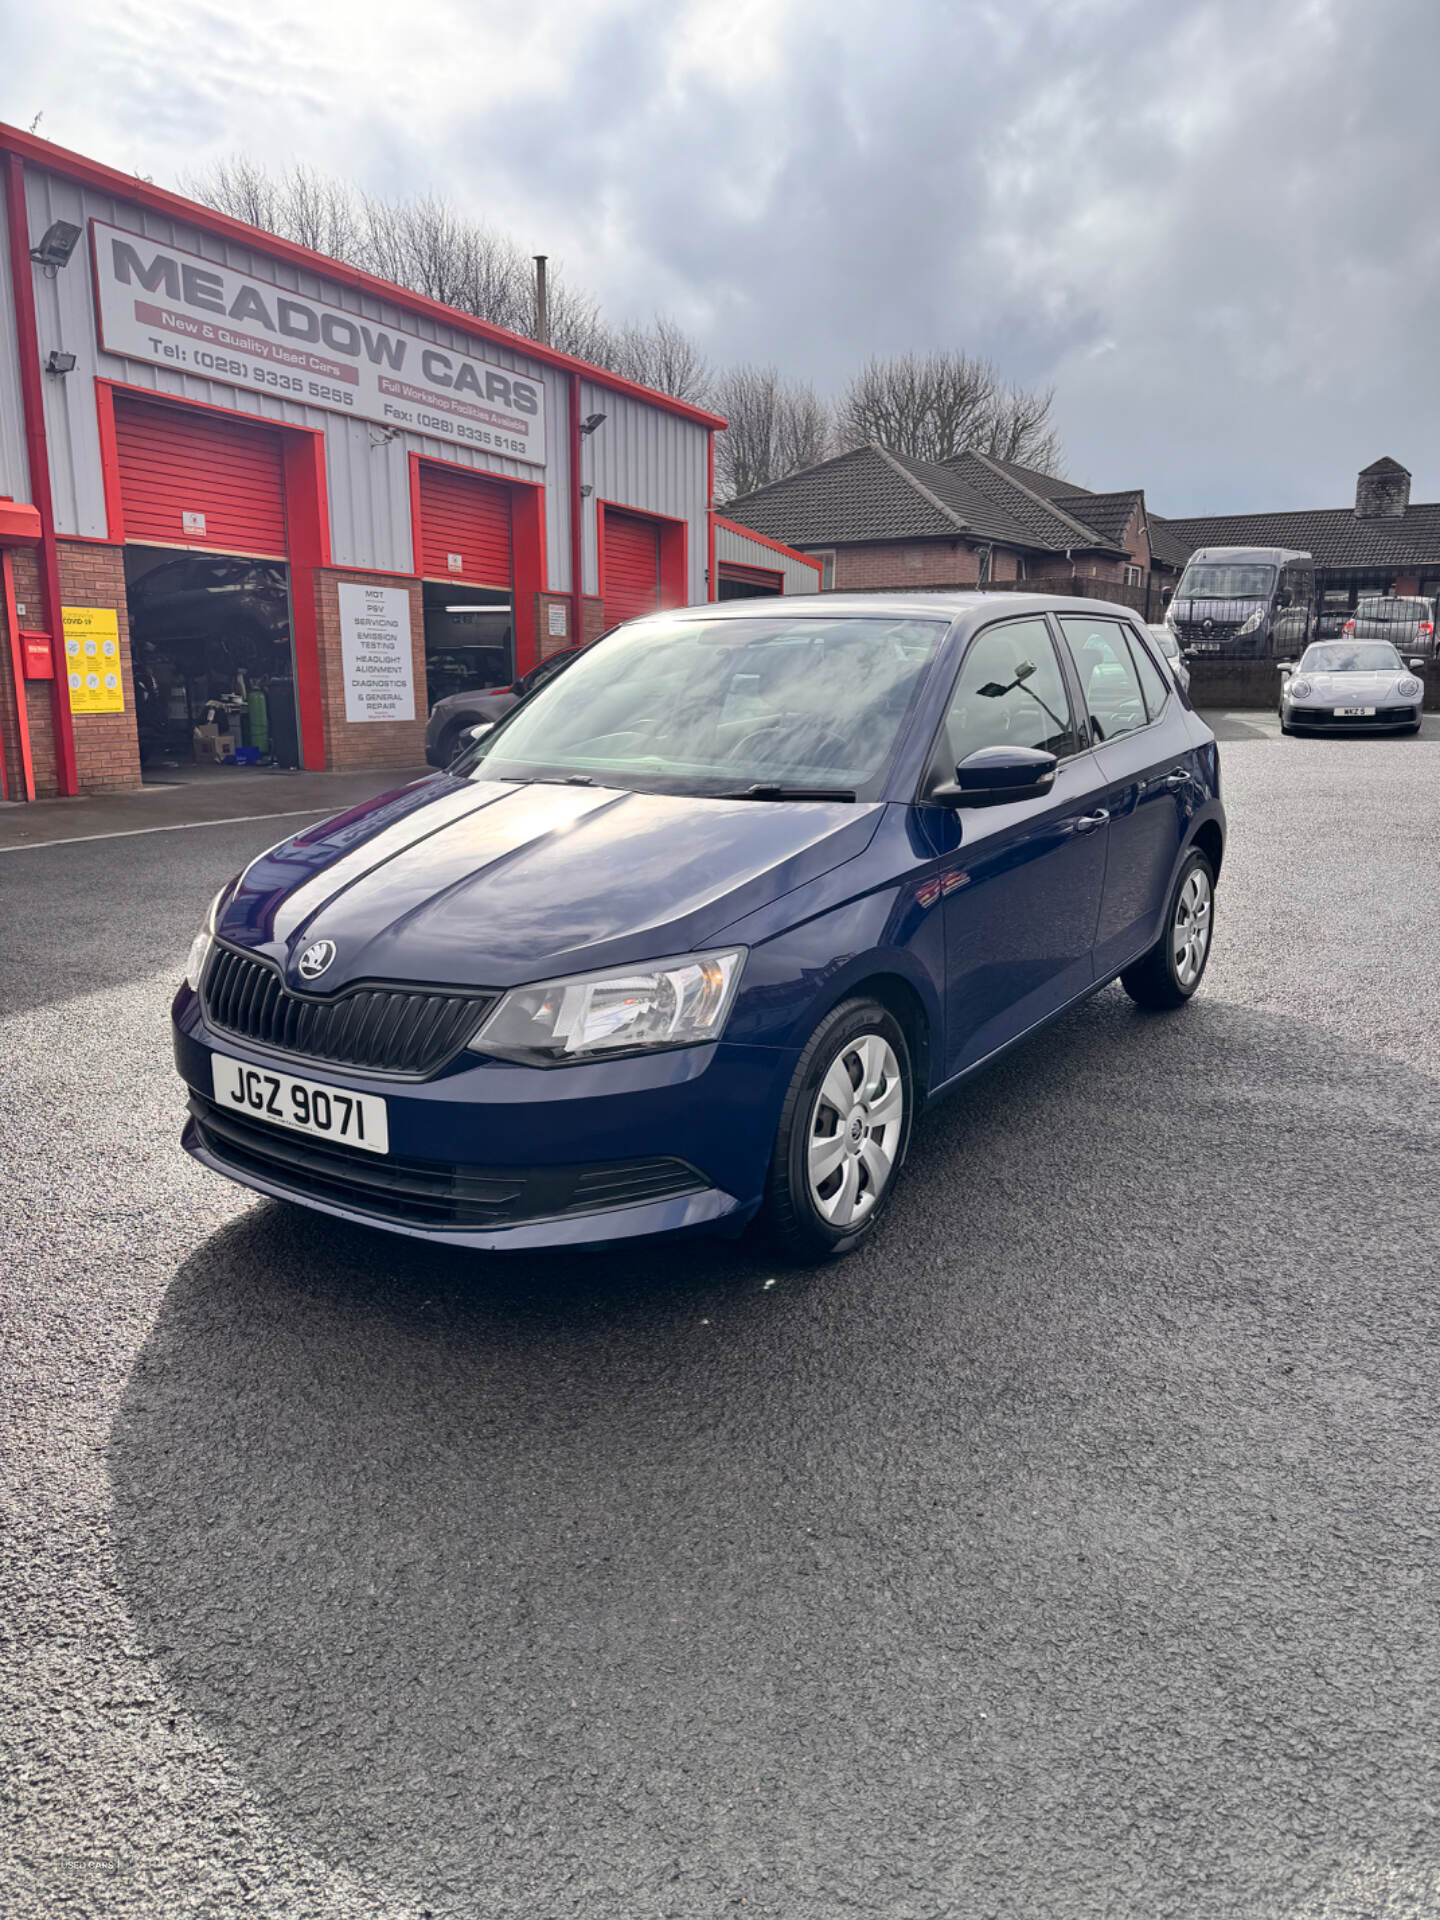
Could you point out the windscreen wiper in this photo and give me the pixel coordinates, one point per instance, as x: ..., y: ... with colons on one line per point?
x: 764, y: 792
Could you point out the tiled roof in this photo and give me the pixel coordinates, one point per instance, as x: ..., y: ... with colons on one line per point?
x: 1334, y: 535
x: 874, y: 494
x: 1050, y: 485
x: 1108, y: 513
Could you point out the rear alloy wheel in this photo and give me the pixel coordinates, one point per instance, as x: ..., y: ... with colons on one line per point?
x: 1170, y: 972
x: 843, y: 1133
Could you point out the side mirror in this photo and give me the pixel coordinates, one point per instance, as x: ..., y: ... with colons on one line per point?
x: 994, y: 776
x: 1167, y: 594
x: 1416, y: 666
x: 1284, y: 666
x: 470, y: 735
x: 1283, y: 597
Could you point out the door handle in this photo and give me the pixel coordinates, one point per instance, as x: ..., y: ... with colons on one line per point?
x: 1177, y: 777
x: 1088, y: 822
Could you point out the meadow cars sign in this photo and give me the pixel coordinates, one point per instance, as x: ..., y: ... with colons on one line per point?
x: 174, y: 309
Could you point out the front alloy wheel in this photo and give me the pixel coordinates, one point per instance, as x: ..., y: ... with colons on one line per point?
x: 1170, y: 972
x: 843, y: 1132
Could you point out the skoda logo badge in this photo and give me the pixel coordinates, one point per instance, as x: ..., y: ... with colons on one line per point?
x: 315, y: 959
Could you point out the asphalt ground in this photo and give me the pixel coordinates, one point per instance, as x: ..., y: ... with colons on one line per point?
x: 1070, y: 1551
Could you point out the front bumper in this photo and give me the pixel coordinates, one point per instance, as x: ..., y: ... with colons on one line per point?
x: 1384, y: 720
x: 494, y: 1156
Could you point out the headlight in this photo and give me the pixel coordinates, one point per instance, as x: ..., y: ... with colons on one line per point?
x: 200, y: 945
x: 1254, y: 623
x: 1298, y: 689
x: 1407, y: 689
x: 669, y: 1003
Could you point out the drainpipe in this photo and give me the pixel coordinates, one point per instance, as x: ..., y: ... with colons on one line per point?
x: 577, y: 529
x: 33, y: 402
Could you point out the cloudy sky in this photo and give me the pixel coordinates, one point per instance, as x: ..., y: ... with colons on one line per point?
x: 1211, y: 225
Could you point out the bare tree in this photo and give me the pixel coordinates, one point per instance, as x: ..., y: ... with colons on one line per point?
x: 934, y: 406
x: 663, y: 357
x: 426, y: 245
x: 776, y: 428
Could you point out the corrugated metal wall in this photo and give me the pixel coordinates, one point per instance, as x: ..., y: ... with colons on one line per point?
x: 745, y: 552
x: 643, y: 456
x: 647, y: 458
x: 369, y: 483
x: 14, y: 466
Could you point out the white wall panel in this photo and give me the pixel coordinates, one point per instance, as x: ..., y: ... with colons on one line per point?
x: 367, y: 477
x: 645, y: 457
x: 742, y: 551
x: 14, y: 463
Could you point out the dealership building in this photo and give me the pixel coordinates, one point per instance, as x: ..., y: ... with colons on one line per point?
x: 258, y: 507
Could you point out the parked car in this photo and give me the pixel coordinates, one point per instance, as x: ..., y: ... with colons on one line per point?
x: 1351, y: 686
x: 1166, y: 643
x: 1409, y: 625
x: 452, y: 717
x: 696, y: 931
x: 201, y: 594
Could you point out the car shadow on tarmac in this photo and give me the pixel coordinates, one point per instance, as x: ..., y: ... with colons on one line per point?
x: 1069, y: 1549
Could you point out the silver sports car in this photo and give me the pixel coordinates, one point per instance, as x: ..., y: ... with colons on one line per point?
x: 1345, y: 686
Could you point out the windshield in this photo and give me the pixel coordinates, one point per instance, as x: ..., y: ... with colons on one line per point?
x: 1402, y: 612
x: 685, y: 704
x: 1338, y: 656
x: 1227, y: 580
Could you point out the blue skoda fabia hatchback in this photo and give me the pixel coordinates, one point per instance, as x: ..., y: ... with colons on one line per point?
x: 697, y: 929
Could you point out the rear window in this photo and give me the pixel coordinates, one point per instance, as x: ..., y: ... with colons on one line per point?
x: 1405, y: 610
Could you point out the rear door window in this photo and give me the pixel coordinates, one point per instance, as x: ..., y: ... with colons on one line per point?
x: 1109, y: 683
x: 1155, y: 685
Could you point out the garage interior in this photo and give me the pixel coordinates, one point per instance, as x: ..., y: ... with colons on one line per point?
x: 213, y: 660
x: 466, y: 560
x: 469, y: 638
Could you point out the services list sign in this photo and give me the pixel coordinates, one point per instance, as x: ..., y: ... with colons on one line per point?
x: 174, y: 309
x: 375, y: 653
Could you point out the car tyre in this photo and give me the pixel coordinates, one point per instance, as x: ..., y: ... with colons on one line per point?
x: 1170, y: 972
x: 843, y: 1133
x: 448, y: 745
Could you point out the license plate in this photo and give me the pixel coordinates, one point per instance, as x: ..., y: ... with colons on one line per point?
x: 357, y: 1119
x: 1353, y: 713
x: 1205, y: 646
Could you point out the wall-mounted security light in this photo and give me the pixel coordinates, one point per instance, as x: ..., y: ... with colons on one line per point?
x: 56, y: 245
x: 60, y: 362
x: 586, y: 491
x: 382, y: 436
x: 591, y: 422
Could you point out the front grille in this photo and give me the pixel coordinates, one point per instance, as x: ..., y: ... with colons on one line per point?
x: 433, y: 1193
x: 400, y: 1030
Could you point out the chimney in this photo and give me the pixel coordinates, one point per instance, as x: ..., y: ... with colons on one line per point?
x: 1382, y: 491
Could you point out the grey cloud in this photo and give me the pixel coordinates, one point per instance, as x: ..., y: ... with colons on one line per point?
x: 1207, y: 222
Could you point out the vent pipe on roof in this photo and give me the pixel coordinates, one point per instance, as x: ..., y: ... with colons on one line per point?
x: 1382, y: 491
x: 542, y: 301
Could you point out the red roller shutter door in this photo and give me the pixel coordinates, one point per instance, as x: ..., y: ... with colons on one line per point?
x: 632, y: 566
x: 766, y: 578
x: 176, y: 461
x: 465, y: 531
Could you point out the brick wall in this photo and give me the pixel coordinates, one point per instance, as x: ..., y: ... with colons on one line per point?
x: 107, y: 753
x: 907, y: 563
x: 351, y: 744
x: 592, y: 616
x: 107, y: 748
x: 552, y: 642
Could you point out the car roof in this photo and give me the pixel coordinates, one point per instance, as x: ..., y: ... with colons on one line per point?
x: 902, y: 606
x: 1261, y: 556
